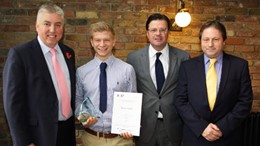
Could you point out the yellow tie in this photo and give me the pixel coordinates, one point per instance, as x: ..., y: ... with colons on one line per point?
x: 211, y: 81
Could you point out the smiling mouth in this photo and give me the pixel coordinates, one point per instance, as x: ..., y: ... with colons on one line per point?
x: 51, y: 36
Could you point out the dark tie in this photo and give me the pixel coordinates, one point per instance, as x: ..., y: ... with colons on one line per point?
x: 103, y: 87
x: 159, y: 73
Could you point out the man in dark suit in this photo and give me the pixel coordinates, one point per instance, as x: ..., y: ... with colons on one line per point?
x: 33, y: 101
x: 213, y: 116
x: 160, y: 123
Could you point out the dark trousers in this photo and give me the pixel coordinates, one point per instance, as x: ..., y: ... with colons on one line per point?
x: 66, y: 133
x: 159, y: 138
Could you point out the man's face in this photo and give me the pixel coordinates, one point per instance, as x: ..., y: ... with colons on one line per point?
x: 103, y: 43
x: 157, y: 34
x: 212, y: 42
x: 49, y: 27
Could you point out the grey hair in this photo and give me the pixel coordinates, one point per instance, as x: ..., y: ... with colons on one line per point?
x: 50, y: 8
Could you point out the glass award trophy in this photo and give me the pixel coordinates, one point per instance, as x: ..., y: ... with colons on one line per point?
x: 87, y: 109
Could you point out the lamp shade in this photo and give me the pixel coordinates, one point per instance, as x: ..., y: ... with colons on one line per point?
x: 182, y: 19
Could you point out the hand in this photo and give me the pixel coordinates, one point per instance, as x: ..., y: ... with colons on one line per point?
x: 126, y: 135
x: 212, y: 132
x: 90, y: 121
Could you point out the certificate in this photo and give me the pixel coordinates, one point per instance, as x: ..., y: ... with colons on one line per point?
x: 127, y: 113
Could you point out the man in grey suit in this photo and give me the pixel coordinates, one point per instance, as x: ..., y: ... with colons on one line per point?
x: 160, y: 123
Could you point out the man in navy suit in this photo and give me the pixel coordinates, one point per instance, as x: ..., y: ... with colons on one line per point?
x: 220, y: 124
x: 32, y: 100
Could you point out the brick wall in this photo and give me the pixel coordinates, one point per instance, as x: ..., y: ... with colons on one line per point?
x: 241, y: 17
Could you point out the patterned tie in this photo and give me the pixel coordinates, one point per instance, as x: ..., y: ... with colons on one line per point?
x: 63, y: 88
x: 211, y: 81
x: 103, y: 87
x: 159, y: 73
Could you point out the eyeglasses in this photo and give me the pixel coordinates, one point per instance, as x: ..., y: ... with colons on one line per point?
x: 161, y: 30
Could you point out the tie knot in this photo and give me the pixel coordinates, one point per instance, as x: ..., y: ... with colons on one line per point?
x: 103, y: 66
x: 158, y: 54
x: 213, y: 60
x: 53, y: 51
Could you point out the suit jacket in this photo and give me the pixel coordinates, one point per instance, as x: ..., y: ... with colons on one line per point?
x: 151, y: 100
x: 233, y: 102
x: 30, y: 100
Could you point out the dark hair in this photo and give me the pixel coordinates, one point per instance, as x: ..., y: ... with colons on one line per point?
x: 216, y: 24
x: 157, y: 16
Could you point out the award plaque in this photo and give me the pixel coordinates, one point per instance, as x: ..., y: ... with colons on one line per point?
x: 87, y: 109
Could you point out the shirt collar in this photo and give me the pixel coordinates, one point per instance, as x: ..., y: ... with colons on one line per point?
x: 219, y: 58
x: 45, y: 48
x: 164, y: 51
x: 109, y: 61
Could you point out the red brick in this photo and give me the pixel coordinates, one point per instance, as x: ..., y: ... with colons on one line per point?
x: 69, y: 13
x: 213, y: 10
x: 255, y: 69
x: 243, y: 48
x: 82, y: 30
x: 120, y: 46
x: 124, y: 23
x: 124, y: 38
x: 135, y: 31
x: 25, y: 20
x: 122, y: 7
x: 76, y: 37
x: 134, y: 16
x: 6, y: 4
x: 256, y: 83
x: 227, y: 4
x: 140, y: 39
x: 229, y: 48
x: 84, y: 45
x: 247, y: 33
x: 158, y: 2
x: 235, y: 41
x: 256, y: 76
x: 236, y: 11
x: 134, y: 46
x: 204, y: 3
x: 16, y: 28
x: 245, y: 18
x: 146, y: 8
x: 252, y: 41
x: 167, y: 8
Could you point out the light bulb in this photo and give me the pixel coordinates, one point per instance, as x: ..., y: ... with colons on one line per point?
x: 182, y: 19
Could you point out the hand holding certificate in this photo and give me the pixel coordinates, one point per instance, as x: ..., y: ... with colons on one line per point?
x: 126, y: 113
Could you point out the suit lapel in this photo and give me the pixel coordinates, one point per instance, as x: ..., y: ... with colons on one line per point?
x: 224, y: 76
x: 202, y: 78
x: 40, y: 60
x: 144, y: 60
x: 68, y: 56
x: 172, y: 68
x: 69, y: 59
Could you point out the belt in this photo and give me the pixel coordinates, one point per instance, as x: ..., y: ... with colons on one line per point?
x: 160, y: 119
x: 100, y: 134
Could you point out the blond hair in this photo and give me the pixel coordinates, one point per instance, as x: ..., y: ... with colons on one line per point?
x: 100, y: 27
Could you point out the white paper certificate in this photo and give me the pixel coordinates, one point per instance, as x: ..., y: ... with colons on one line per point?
x: 127, y: 113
